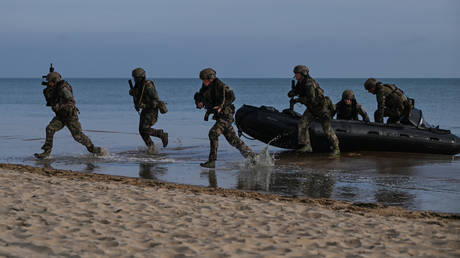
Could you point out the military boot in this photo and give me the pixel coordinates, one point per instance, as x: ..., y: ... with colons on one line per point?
x: 95, y: 150
x: 305, y: 148
x: 209, y: 164
x: 164, y: 139
x: 43, y: 155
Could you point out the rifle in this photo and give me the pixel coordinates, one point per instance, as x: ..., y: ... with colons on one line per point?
x: 199, y: 98
x: 292, y: 101
x: 49, y: 92
x: 136, y: 104
x: 45, y: 83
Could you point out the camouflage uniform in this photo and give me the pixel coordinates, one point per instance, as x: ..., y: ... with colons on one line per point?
x: 318, y: 108
x: 391, y: 102
x: 349, y: 112
x: 218, y: 94
x: 146, y: 98
x: 60, y: 98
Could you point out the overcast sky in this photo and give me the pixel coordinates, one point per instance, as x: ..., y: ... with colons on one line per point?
x: 239, y: 38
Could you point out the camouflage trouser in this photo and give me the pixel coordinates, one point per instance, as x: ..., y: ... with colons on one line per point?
x: 148, y: 118
x: 74, y: 126
x: 325, y: 120
x: 224, y: 126
x: 394, y: 116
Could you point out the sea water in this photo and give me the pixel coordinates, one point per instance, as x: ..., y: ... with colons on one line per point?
x: 413, y: 181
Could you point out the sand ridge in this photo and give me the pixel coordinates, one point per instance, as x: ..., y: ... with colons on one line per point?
x: 48, y: 212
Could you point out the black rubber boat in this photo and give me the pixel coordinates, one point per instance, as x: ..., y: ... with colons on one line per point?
x: 267, y: 124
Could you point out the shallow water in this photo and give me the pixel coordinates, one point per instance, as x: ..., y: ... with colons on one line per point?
x: 413, y: 181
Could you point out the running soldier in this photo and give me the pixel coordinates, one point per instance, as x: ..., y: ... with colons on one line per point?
x: 217, y: 98
x: 146, y: 100
x: 59, y: 96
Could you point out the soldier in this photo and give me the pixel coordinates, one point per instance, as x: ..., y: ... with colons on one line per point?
x: 217, y: 98
x: 348, y: 108
x: 391, y: 101
x: 59, y: 95
x: 145, y: 97
x: 318, y: 107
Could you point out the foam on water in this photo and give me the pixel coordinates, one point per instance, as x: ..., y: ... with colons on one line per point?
x: 137, y: 156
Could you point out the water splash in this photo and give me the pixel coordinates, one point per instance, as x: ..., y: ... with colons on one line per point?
x: 104, y: 152
x: 263, y: 159
x: 151, y: 150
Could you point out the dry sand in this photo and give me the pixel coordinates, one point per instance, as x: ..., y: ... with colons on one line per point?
x: 46, y: 212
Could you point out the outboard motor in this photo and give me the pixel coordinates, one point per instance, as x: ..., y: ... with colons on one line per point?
x: 416, y: 119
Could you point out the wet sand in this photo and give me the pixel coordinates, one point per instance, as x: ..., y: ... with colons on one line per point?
x: 47, y: 212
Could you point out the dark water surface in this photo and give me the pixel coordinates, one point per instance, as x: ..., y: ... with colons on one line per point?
x: 413, y: 181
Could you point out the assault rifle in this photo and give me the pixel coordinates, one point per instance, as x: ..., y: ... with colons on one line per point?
x: 200, y: 99
x: 45, y: 83
x: 136, y: 103
x: 292, y: 101
x: 49, y: 92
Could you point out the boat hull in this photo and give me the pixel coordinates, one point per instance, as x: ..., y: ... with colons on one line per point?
x: 280, y: 129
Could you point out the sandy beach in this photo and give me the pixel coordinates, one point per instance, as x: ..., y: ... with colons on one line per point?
x: 47, y: 212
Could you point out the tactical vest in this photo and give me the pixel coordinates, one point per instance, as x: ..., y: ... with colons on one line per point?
x: 398, y: 98
x: 396, y: 91
x: 60, y: 86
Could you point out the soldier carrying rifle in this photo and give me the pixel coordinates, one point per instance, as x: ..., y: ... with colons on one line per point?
x: 146, y: 100
x: 59, y: 96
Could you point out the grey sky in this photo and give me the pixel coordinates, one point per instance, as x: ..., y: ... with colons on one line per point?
x: 259, y: 38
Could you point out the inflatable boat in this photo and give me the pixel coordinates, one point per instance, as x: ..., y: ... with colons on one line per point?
x: 279, y: 129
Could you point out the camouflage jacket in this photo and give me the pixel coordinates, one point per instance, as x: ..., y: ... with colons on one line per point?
x: 146, y: 95
x: 350, y: 112
x: 389, y: 99
x: 311, y: 95
x: 60, y: 98
x: 217, y: 95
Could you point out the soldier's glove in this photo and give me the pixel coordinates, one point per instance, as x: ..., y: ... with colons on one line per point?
x: 162, y: 107
x: 291, y: 94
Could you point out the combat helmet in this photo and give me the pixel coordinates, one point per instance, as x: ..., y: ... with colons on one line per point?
x: 138, y: 73
x: 370, y: 83
x: 207, y: 74
x: 53, y: 77
x: 348, y: 94
x: 302, y: 69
